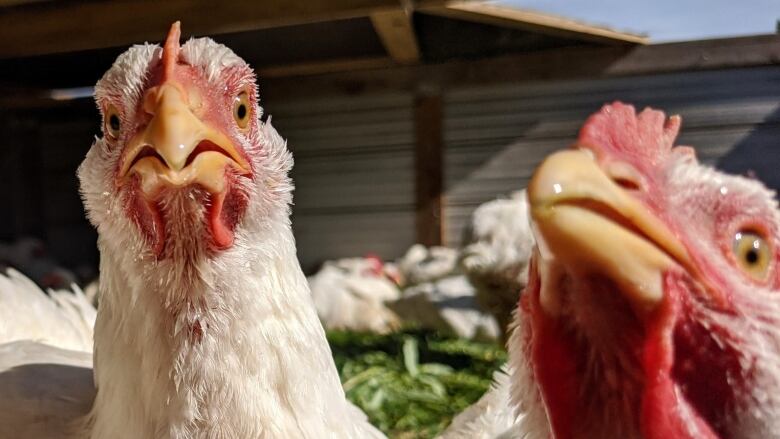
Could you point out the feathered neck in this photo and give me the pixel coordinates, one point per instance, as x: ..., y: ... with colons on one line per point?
x: 234, y: 351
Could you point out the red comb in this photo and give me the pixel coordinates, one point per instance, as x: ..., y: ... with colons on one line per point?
x: 171, y: 50
x: 618, y: 131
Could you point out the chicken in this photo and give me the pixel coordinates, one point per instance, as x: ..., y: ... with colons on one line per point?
x: 351, y: 294
x: 497, y: 254
x: 206, y: 326
x: 652, y: 307
x: 28, y: 255
x: 421, y: 264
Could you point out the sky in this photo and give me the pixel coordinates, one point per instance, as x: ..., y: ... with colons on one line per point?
x: 667, y: 20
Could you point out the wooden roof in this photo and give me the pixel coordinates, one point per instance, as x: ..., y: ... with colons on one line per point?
x: 53, y: 44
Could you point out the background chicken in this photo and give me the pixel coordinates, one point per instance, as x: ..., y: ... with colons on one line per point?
x: 29, y: 255
x: 497, y: 254
x: 351, y: 294
x: 651, y: 310
x: 206, y: 326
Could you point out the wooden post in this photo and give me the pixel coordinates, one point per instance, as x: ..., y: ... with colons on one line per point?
x: 429, y: 175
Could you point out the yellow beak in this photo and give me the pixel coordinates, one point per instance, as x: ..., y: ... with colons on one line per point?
x: 588, y: 224
x: 178, y: 149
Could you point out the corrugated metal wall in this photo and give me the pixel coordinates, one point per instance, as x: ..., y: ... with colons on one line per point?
x: 496, y: 135
x: 354, y: 175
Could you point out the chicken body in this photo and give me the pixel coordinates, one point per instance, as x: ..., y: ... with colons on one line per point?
x: 497, y: 255
x: 206, y: 327
x: 351, y: 294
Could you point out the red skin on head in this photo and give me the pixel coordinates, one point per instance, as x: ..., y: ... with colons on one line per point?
x: 213, y: 106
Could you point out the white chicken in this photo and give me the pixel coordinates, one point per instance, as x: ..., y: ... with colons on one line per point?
x: 497, y: 254
x: 351, y: 294
x: 206, y: 327
x: 28, y: 255
x: 421, y: 264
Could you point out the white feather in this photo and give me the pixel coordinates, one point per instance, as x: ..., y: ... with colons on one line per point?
x: 497, y: 254
x: 63, y: 318
x: 349, y: 295
x: 492, y: 417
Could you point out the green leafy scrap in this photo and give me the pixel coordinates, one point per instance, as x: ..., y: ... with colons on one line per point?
x: 412, y: 383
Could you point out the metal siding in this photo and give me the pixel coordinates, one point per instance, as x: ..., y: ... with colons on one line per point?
x: 495, y: 136
x: 353, y: 174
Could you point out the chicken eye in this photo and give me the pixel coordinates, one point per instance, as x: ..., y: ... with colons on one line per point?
x: 752, y: 253
x: 241, y: 111
x: 113, y: 122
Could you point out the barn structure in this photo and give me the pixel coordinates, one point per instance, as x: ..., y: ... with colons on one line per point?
x: 402, y: 116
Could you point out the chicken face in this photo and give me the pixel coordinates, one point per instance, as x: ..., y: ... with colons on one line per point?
x: 184, y: 155
x: 652, y: 309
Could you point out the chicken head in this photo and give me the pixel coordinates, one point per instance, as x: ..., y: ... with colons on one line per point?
x: 183, y: 150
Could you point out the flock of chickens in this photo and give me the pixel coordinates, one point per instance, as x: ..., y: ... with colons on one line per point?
x: 469, y: 291
x: 651, y: 307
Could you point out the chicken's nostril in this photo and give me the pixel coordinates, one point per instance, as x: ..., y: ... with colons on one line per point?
x: 625, y: 176
x: 626, y: 183
x: 148, y: 151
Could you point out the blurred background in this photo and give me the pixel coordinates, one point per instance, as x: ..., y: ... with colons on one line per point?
x: 403, y: 117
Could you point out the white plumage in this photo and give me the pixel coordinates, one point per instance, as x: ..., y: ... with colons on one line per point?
x: 224, y: 346
x: 492, y: 417
x: 351, y: 294
x: 62, y: 318
x: 422, y: 264
x: 497, y: 254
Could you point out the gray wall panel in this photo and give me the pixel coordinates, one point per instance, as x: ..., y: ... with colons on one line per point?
x: 354, y: 175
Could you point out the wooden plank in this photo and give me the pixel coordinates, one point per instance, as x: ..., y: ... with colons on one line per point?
x: 498, y: 15
x: 429, y: 176
x: 52, y: 27
x: 321, y: 67
x: 395, y: 29
x: 6, y: 3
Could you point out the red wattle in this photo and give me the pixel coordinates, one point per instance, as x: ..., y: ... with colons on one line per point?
x: 147, y: 216
x: 221, y: 232
x: 555, y: 364
x: 663, y: 407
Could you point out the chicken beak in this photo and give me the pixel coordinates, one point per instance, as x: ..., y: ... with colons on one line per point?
x: 586, y: 223
x: 176, y: 148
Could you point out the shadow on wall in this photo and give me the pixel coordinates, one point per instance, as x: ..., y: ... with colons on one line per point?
x: 758, y: 154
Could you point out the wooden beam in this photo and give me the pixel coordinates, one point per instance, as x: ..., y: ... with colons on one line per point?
x: 7, y: 3
x: 503, y: 16
x: 51, y: 27
x: 397, y: 34
x: 321, y: 67
x: 429, y: 174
